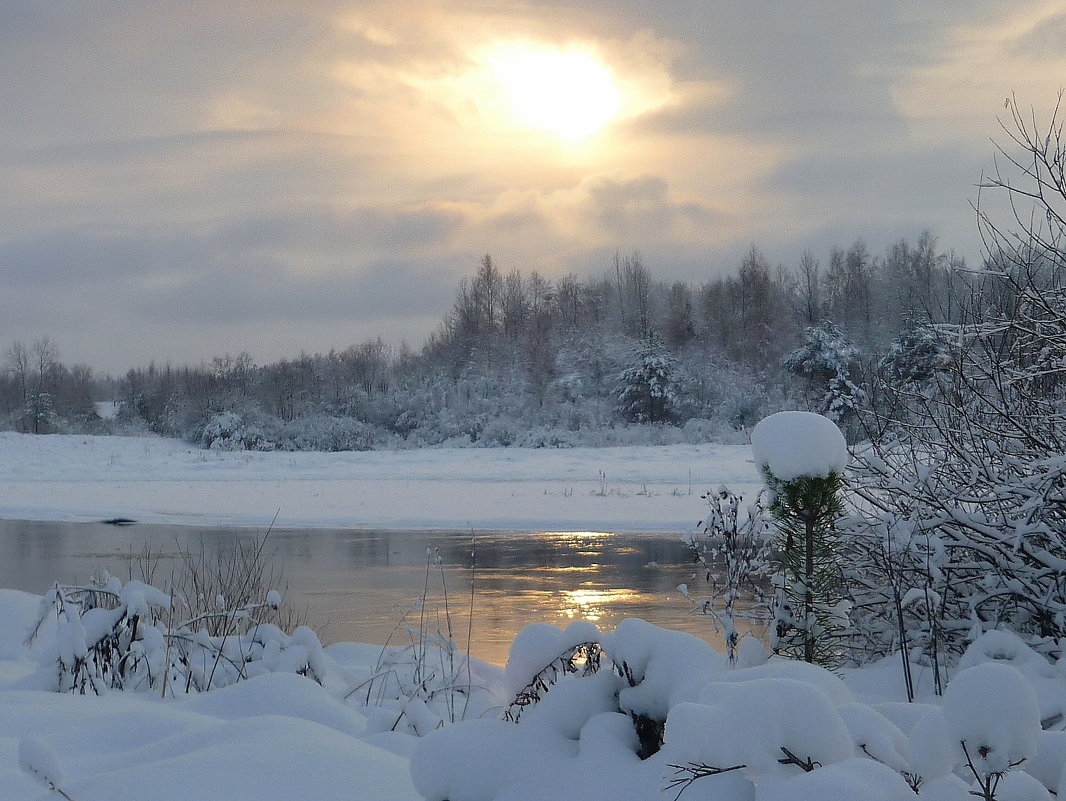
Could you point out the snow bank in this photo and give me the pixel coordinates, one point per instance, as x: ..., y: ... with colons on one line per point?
x: 156, y: 480
x: 781, y: 731
x: 799, y: 444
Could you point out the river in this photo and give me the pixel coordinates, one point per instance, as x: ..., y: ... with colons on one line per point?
x: 364, y: 586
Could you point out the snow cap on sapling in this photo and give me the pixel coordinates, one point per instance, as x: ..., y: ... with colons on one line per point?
x: 802, y: 456
x: 795, y: 445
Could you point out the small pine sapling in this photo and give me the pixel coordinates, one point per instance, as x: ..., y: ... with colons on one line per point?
x: 802, y: 456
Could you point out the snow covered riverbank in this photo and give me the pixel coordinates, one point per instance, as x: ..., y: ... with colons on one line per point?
x: 353, y: 722
x: 155, y: 480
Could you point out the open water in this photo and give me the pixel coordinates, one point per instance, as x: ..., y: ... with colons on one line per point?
x: 364, y: 586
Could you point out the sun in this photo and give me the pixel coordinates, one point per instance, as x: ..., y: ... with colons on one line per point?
x: 570, y: 92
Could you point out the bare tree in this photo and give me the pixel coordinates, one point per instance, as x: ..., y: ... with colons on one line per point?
x: 810, y: 288
x: 969, y: 501
x: 18, y: 364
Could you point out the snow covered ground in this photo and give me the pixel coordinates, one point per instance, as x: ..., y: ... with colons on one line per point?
x: 761, y: 730
x: 280, y: 736
x: 155, y: 480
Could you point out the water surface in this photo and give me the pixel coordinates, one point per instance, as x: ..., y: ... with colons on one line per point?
x: 365, y: 586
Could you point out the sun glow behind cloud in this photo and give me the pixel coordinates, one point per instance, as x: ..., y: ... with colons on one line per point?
x: 571, y: 93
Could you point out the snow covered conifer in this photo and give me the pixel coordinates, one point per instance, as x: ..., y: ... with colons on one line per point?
x: 917, y: 354
x: 825, y: 360
x: 802, y: 457
x: 40, y: 412
x: 647, y: 394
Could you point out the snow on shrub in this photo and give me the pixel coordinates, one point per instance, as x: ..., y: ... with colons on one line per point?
x: 930, y: 752
x: 733, y: 548
x: 661, y: 667
x: 993, y: 716
x: 784, y: 730
x: 227, y: 431
x: 876, y: 736
x: 114, y: 636
x: 427, y: 684
x: 539, y: 647
x: 824, y: 680
x: 798, y: 727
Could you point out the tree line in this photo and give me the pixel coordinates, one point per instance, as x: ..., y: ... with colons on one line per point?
x: 522, y: 359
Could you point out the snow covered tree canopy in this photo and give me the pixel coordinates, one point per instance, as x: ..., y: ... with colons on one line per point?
x: 825, y: 353
x: 795, y: 445
x: 647, y: 394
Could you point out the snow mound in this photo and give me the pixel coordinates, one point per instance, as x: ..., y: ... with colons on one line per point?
x: 844, y: 781
x: 1001, y: 730
x: 799, y: 445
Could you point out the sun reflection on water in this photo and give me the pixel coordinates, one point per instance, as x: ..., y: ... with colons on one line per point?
x: 593, y: 604
x: 576, y: 536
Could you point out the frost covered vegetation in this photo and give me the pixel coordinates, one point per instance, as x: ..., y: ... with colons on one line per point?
x: 629, y: 715
x: 525, y: 360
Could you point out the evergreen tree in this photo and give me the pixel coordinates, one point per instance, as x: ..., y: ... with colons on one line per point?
x: 802, y: 456
x: 647, y: 394
x: 825, y: 360
x: 40, y: 411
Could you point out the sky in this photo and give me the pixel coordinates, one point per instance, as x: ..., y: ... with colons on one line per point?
x: 184, y: 179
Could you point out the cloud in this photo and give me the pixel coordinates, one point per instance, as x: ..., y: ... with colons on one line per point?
x: 554, y: 230
x: 998, y: 50
x: 352, y: 232
x: 643, y: 209
x: 1045, y: 40
x: 268, y: 293
x: 221, y: 175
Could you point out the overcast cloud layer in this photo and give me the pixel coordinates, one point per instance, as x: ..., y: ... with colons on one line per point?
x: 185, y: 179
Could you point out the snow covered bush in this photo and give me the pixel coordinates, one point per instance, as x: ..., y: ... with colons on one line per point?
x: 651, y: 713
x: 115, y: 636
x: 961, y: 528
x: 960, y: 524
x: 802, y: 458
x: 992, y: 715
x: 227, y: 431
x: 324, y: 432
x: 732, y: 548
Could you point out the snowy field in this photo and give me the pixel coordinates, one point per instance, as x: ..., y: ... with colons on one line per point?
x: 286, y: 718
x: 154, y: 480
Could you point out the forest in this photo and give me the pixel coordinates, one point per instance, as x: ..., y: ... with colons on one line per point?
x: 524, y: 360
